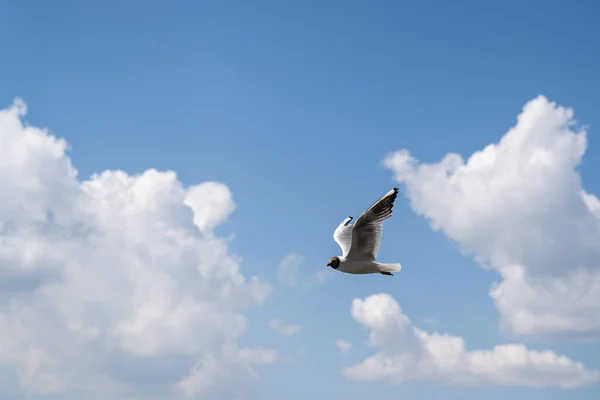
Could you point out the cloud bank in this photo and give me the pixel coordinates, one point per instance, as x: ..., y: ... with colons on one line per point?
x: 116, y: 286
x: 519, y: 207
x: 406, y: 353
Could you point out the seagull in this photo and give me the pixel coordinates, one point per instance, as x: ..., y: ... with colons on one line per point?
x: 360, y: 241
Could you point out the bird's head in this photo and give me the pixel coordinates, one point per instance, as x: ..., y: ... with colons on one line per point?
x: 334, y: 262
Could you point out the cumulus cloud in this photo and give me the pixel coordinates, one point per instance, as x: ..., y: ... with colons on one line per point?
x: 288, y: 269
x: 343, y: 346
x: 519, y: 207
x: 406, y: 353
x: 211, y: 203
x: 287, y: 330
x: 116, y: 285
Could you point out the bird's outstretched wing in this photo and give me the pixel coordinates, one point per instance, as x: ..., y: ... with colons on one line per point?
x: 366, y: 232
x: 343, y: 235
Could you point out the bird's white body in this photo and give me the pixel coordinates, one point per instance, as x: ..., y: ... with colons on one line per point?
x: 360, y: 241
x: 366, y: 267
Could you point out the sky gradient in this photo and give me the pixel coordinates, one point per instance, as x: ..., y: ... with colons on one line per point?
x: 175, y: 244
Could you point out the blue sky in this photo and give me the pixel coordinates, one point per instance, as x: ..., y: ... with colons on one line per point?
x: 294, y: 105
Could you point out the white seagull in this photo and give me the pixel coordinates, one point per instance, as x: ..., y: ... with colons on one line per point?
x: 360, y: 241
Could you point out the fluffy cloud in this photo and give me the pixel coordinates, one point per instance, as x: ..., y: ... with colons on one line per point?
x: 211, y: 203
x: 116, y: 285
x: 343, y: 346
x: 287, y: 330
x: 519, y: 207
x: 405, y: 353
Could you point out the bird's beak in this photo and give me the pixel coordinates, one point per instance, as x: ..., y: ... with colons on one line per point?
x: 329, y: 264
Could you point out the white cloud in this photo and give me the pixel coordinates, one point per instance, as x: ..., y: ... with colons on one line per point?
x: 406, y: 353
x: 519, y: 206
x: 288, y: 269
x: 211, y: 203
x: 282, y: 329
x: 343, y: 346
x: 116, y: 285
x: 229, y: 375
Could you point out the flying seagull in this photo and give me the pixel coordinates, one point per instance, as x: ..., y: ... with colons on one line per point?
x: 360, y: 241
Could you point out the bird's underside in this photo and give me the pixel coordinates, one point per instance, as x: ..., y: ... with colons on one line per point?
x: 360, y: 241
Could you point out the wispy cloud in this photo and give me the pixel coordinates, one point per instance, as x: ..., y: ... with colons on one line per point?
x: 429, y: 321
x: 343, y: 346
x: 321, y: 276
x: 292, y: 272
x: 288, y: 269
x: 287, y: 330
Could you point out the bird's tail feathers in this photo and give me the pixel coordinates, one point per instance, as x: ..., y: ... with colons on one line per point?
x: 389, y: 267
